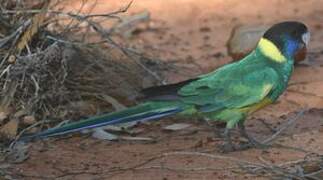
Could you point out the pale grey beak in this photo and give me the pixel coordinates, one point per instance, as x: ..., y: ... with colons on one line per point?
x: 306, y: 38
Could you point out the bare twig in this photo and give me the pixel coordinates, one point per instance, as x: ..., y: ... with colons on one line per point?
x: 289, y: 123
x: 44, y: 78
x: 262, y: 169
x: 13, y: 143
x: 105, y: 34
x: 304, y: 93
x: 171, y: 168
x: 211, y: 156
x: 75, y: 15
x: 302, y: 82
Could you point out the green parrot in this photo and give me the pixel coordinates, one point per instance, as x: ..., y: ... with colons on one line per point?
x: 228, y: 94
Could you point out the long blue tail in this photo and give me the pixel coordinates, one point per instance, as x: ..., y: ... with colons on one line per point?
x: 144, y: 112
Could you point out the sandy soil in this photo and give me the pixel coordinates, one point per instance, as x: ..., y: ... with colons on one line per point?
x: 193, y: 35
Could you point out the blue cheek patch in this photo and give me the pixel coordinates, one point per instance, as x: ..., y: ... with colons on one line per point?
x: 291, y: 47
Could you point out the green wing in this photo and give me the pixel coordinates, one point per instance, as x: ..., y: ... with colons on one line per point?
x: 233, y: 86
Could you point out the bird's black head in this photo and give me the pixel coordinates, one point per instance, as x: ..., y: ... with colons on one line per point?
x: 289, y: 38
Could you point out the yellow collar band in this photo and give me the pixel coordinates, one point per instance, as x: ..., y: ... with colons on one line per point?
x: 270, y: 50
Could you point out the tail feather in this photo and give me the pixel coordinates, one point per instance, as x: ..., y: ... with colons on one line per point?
x: 143, y: 112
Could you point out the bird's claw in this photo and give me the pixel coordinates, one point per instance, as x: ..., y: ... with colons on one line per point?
x: 227, y: 147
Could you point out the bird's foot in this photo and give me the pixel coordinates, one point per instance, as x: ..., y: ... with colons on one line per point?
x: 227, y: 147
x: 252, y: 143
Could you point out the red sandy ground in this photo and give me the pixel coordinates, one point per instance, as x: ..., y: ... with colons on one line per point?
x: 193, y: 34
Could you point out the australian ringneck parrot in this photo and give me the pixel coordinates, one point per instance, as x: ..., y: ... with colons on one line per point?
x: 228, y: 94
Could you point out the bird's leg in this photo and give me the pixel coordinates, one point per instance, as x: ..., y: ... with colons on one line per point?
x: 252, y: 141
x: 228, y: 145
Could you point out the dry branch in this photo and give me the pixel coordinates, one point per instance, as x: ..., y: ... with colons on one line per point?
x: 47, y: 63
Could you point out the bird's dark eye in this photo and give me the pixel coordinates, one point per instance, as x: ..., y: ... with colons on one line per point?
x: 295, y: 34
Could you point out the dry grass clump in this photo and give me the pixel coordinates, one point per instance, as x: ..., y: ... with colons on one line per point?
x: 51, y: 68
